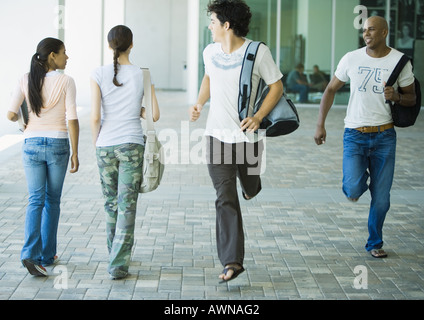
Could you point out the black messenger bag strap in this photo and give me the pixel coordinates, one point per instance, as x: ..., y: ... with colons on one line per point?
x: 396, y: 71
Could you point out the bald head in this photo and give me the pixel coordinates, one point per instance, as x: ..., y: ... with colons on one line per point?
x: 378, y: 22
x: 375, y: 32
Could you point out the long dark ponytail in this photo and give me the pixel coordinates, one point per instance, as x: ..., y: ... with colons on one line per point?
x: 38, y: 71
x: 120, y: 38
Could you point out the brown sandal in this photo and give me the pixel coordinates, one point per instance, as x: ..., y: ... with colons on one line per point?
x: 378, y: 253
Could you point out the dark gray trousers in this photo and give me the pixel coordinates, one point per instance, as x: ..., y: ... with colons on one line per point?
x: 226, y: 162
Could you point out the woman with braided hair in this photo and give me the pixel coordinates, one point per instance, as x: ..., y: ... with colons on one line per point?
x: 117, y: 92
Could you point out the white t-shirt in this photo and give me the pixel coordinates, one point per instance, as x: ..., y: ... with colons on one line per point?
x: 59, y: 105
x: 367, y: 75
x: 121, y: 106
x: 224, y: 72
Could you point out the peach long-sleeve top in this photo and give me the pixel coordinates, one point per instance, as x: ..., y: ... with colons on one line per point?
x: 59, y: 97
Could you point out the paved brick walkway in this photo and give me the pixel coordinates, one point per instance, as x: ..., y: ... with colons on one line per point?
x: 303, y: 239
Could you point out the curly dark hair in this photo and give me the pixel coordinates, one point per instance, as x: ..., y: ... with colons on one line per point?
x: 236, y: 12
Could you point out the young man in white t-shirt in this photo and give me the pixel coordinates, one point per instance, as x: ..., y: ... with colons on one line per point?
x: 233, y: 148
x: 369, y: 138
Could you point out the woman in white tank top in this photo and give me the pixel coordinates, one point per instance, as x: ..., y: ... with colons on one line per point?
x: 117, y: 93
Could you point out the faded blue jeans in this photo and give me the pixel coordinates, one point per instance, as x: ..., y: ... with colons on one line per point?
x: 45, y: 162
x: 303, y: 91
x: 370, y: 155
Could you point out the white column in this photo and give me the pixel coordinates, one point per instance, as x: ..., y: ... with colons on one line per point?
x: 333, y: 38
x: 83, y: 40
x: 113, y: 15
x: 193, y: 50
x: 278, y: 40
x: 388, y: 18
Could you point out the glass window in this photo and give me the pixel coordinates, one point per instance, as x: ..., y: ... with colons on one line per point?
x: 406, y: 24
x: 292, y: 29
x: 264, y: 22
x: 263, y: 27
x: 318, y: 33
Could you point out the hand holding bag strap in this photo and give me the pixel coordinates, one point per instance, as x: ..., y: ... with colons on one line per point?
x: 396, y: 72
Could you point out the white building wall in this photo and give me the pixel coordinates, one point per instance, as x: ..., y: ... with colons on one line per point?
x: 193, y: 51
x: 24, y: 24
x: 113, y: 15
x: 160, y: 39
x: 83, y: 40
x: 161, y: 31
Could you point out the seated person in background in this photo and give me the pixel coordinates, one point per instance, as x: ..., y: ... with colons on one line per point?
x: 297, y: 82
x: 318, y: 79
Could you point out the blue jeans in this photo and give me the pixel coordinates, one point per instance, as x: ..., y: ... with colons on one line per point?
x: 303, y: 91
x: 370, y: 155
x: 45, y: 162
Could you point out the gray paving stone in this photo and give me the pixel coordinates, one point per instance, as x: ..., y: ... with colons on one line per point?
x: 303, y: 239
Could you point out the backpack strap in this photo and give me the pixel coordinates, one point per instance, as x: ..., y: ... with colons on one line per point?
x: 396, y: 71
x: 246, y: 78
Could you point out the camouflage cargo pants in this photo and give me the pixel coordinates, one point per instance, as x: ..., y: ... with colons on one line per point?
x: 120, y: 176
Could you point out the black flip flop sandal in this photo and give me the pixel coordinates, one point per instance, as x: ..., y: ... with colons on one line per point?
x: 236, y: 273
x: 246, y: 197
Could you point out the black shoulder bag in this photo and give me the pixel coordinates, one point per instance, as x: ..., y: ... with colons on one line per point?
x: 404, y: 116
